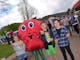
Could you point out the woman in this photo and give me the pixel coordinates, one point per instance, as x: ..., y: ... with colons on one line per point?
x: 19, y: 48
x: 48, y: 41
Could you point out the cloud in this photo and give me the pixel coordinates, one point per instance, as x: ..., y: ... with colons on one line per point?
x: 46, y: 7
x: 13, y: 17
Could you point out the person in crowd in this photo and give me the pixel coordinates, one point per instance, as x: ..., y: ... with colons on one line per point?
x: 75, y: 22
x: 48, y: 41
x: 49, y: 24
x: 7, y: 37
x: 11, y: 34
x: 65, y: 22
x: 1, y: 42
x: 70, y: 24
x: 61, y: 36
x: 19, y: 48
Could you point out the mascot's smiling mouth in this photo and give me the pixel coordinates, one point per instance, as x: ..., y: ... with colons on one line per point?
x: 30, y: 36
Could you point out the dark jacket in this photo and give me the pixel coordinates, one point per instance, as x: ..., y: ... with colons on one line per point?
x: 43, y: 38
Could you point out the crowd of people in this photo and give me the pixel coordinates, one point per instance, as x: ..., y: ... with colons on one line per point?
x: 57, y: 35
x: 62, y: 29
x: 71, y: 22
x: 6, y: 37
x: 54, y: 31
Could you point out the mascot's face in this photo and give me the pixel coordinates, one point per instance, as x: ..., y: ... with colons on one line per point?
x: 29, y: 32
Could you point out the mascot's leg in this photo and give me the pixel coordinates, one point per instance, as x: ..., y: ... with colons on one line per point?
x: 41, y: 54
x: 36, y: 55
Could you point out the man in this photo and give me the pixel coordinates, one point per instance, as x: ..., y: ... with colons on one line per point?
x: 61, y: 35
x: 75, y: 22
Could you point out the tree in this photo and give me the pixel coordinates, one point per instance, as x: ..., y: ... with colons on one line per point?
x: 31, y: 11
x: 26, y: 10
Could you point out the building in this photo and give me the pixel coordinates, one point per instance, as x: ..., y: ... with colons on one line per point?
x: 77, y: 6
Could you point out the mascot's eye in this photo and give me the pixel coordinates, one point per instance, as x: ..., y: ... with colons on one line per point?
x: 23, y: 27
x: 30, y: 24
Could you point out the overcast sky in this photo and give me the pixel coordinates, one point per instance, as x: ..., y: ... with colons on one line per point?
x: 44, y: 7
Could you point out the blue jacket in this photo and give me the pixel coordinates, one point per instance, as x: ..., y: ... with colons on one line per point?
x: 62, y: 39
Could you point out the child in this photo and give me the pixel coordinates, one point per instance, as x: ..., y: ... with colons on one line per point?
x: 19, y: 48
x: 48, y: 41
x: 61, y: 35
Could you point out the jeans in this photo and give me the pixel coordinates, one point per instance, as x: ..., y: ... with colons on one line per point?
x: 63, y: 50
x: 22, y: 56
x: 76, y: 28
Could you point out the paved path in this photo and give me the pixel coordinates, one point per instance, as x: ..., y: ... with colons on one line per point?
x: 75, y: 46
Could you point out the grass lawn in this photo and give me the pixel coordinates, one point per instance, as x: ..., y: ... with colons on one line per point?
x: 5, y: 50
